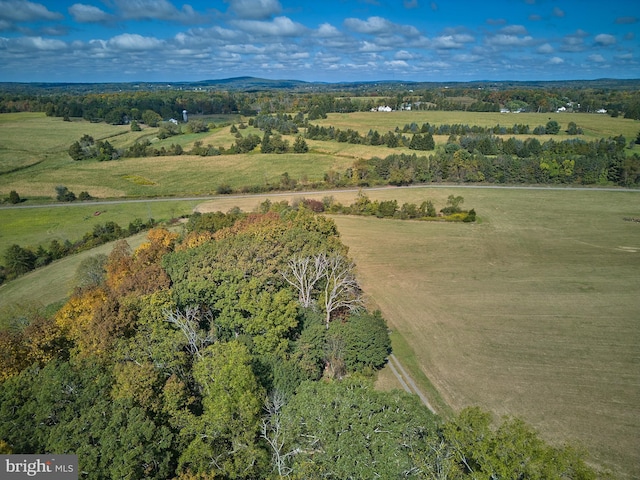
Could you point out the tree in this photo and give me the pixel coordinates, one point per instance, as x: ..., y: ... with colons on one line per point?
x: 18, y: 260
x: 134, y: 126
x: 91, y: 271
x: 341, y: 289
x: 300, y: 146
x: 64, y: 194
x: 14, y: 197
x: 552, y: 127
x: 303, y: 273
x: 151, y: 118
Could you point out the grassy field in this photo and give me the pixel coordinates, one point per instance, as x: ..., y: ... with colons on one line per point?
x: 533, y: 311
x: 594, y: 125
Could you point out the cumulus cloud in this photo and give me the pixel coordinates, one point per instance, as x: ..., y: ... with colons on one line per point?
x: 133, y: 41
x: 410, y: 4
x: 574, y: 42
x: 25, y: 11
x: 403, y: 55
x: 604, y: 39
x: 157, y: 10
x: 556, y: 61
x: 557, y: 12
x: 514, y: 30
x: 504, y: 40
x: 545, y: 48
x: 279, y: 26
x: 450, y: 42
x: 596, y: 58
x: 88, y: 14
x: 496, y: 21
x: 328, y: 30
x: 535, y: 17
x: 29, y: 44
x: 379, y: 26
x: 255, y: 9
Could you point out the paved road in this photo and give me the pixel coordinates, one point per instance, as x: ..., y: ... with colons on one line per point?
x: 310, y: 192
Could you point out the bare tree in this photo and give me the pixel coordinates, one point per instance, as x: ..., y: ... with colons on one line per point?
x: 195, y: 326
x: 341, y: 289
x: 272, y: 431
x: 303, y: 273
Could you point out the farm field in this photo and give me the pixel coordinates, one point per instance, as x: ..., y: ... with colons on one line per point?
x: 533, y: 311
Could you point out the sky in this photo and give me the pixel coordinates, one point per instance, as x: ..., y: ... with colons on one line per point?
x: 318, y: 40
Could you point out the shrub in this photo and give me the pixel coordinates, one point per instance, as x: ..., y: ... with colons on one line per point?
x: 14, y: 197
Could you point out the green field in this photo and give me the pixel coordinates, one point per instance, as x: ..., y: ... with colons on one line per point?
x: 533, y: 311
x: 594, y: 125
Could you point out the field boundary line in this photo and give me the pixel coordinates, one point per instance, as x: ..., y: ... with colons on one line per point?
x: 407, y: 382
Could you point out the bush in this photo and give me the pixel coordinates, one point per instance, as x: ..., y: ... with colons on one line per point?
x: 14, y: 197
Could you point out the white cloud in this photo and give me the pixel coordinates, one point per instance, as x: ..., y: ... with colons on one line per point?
x: 503, y: 40
x: 558, y: 12
x: 278, y: 27
x: 88, y: 14
x: 25, y: 44
x: 157, y: 9
x: 545, y: 48
x: 449, y: 42
x: 255, y: 9
x: 605, y: 39
x: 574, y: 42
x: 596, y: 58
x: 403, y: 55
x: 379, y: 26
x: 328, y: 30
x: 397, y: 64
x: 514, y: 30
x: 556, y: 61
x: 133, y: 41
x: 25, y: 11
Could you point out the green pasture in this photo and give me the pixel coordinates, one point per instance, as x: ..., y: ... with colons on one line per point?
x: 533, y: 311
x: 31, y: 227
x: 594, y: 125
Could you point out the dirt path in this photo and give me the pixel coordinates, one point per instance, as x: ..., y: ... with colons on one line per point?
x: 406, y: 381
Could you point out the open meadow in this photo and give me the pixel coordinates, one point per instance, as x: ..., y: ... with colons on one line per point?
x: 533, y: 311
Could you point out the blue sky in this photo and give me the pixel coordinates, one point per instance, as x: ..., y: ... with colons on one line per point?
x: 318, y: 40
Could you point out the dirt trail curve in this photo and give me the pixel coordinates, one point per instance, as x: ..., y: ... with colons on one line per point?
x: 406, y: 381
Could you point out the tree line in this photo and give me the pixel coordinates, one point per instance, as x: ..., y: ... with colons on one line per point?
x: 125, y: 106
x: 239, y: 349
x: 19, y: 260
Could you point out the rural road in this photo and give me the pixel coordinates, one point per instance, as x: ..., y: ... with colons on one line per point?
x: 310, y: 192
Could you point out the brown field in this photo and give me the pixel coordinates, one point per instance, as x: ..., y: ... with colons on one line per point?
x: 533, y: 311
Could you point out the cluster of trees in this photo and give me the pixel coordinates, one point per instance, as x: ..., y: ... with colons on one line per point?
x: 391, y: 209
x: 238, y: 350
x: 19, y: 260
x: 87, y: 148
x: 485, y: 158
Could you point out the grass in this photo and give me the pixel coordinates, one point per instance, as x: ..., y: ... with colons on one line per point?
x: 594, y: 125
x: 532, y: 311
x: 39, y: 226
x: 53, y: 283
